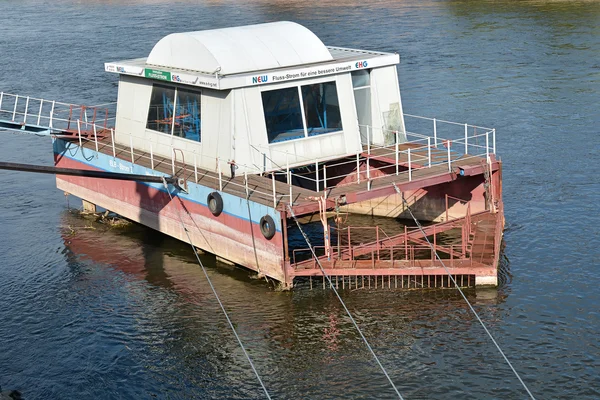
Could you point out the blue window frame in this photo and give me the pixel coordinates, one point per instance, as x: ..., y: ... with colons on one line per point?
x: 184, y: 104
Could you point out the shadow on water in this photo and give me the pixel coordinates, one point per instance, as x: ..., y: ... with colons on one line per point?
x: 155, y: 288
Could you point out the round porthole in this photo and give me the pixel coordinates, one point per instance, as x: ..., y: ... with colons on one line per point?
x: 267, y: 226
x: 215, y: 203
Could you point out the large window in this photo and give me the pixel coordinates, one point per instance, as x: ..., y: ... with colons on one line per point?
x: 283, y: 114
x: 298, y: 112
x: 183, y: 104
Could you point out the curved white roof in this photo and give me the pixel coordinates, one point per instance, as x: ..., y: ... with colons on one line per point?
x: 250, y: 48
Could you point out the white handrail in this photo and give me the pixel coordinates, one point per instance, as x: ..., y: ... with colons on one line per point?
x: 415, y: 152
x: 466, y: 139
x: 151, y: 156
x: 449, y: 159
x: 429, y: 152
x: 409, y: 167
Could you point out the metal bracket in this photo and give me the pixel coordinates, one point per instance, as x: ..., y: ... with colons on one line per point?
x: 181, y: 185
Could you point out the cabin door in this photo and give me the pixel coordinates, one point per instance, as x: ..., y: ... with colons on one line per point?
x: 361, y: 82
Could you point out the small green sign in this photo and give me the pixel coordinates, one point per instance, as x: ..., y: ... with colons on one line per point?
x: 156, y: 74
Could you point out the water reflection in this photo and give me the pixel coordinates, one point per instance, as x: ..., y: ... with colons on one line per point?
x: 528, y: 68
x: 154, y: 282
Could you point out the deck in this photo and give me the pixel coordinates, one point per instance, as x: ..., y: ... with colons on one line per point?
x: 264, y: 189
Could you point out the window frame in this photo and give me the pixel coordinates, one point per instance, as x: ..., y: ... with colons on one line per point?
x: 298, y: 85
x: 175, y: 87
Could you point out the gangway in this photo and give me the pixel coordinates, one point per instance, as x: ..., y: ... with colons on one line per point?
x: 42, y: 117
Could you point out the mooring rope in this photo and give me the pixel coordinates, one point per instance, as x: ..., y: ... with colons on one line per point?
x: 344, y: 304
x: 465, y: 297
x: 217, y: 297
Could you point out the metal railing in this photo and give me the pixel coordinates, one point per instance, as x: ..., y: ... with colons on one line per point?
x: 175, y: 164
x: 403, y: 256
x: 421, y: 150
x: 379, y: 246
x: 418, y: 151
x: 411, y: 159
x: 55, y: 115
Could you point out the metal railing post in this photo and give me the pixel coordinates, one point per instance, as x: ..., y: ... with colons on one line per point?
x: 274, y: 192
x: 325, y: 178
x: 429, y: 151
x: 368, y: 173
x: 357, y: 167
x: 26, y: 109
x: 95, y: 138
x: 289, y: 181
x: 52, y: 114
x: 405, y: 242
x: 487, y: 145
x: 40, y: 112
x: 15, y: 108
x: 79, y: 133
x: 246, y: 184
x: 288, y: 174
x: 172, y: 158
x: 449, y: 161
x: 317, y: 174
x: 368, y: 139
x: 112, y: 140
x: 151, y: 156
x: 218, y: 171
x: 1, y: 98
x: 174, y: 117
x: 466, y: 139
x: 397, y: 166
x: 494, y: 141
x: 409, y: 167
x: 435, y: 143
x: 131, y: 149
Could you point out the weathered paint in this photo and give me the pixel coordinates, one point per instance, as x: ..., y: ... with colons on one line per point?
x: 229, y: 235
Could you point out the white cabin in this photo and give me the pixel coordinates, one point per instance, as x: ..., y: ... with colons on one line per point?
x: 259, y: 96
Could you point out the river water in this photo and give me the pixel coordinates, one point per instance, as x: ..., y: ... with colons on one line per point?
x: 92, y: 312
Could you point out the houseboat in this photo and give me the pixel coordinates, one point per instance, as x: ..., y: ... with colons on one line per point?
x: 263, y: 127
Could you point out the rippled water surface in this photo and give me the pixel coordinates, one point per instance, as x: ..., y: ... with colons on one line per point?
x: 92, y: 312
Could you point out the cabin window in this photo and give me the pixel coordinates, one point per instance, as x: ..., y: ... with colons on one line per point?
x: 283, y: 114
x: 361, y: 82
x: 187, y: 117
x: 322, y: 108
x: 298, y: 112
x: 184, y: 104
x: 361, y: 78
x: 160, y: 113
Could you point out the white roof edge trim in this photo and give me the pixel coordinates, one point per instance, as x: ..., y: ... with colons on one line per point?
x: 240, y: 49
x: 139, y: 68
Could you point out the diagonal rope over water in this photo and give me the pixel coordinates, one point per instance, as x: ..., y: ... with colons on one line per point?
x: 217, y: 297
x: 344, y: 304
x: 463, y: 295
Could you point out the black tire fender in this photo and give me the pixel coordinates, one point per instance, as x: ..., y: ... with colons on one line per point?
x: 267, y: 227
x: 215, y: 203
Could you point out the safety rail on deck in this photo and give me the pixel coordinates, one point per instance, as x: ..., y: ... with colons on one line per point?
x: 93, y: 124
x: 321, y: 176
x: 56, y: 116
x: 177, y: 162
x: 419, y: 154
